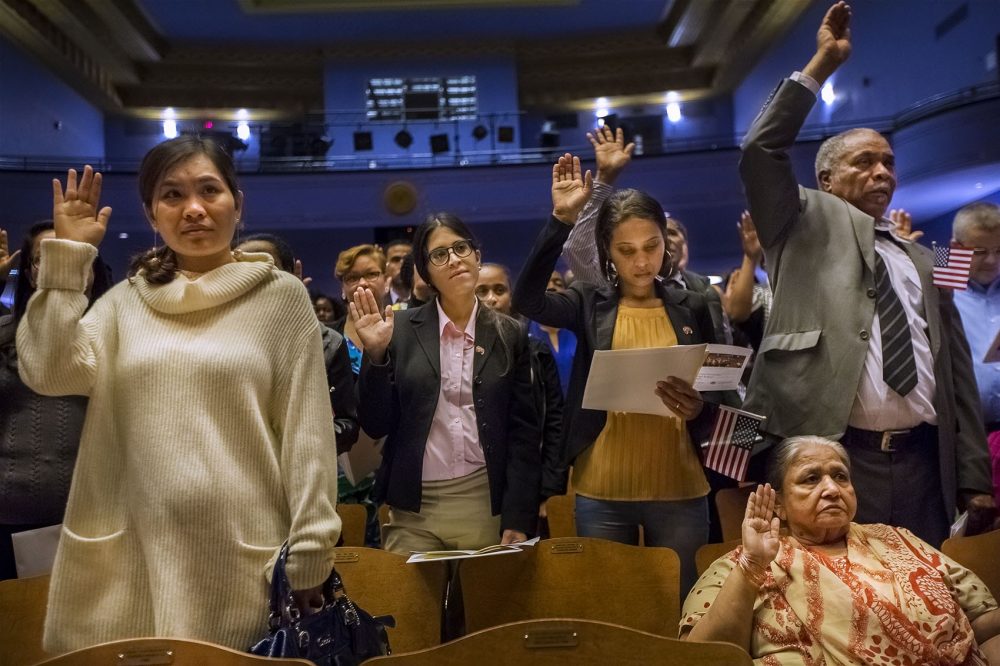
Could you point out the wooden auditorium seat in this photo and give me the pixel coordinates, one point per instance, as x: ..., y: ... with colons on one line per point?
x: 22, y: 618
x: 384, y: 584
x: 561, y: 511
x: 173, y: 651
x: 575, y: 577
x: 710, y: 552
x: 353, y: 518
x: 980, y: 553
x: 732, y: 506
x: 557, y: 642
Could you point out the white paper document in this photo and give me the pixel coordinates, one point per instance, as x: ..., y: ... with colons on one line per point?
x: 488, y: 551
x: 722, y: 368
x: 624, y: 380
x: 35, y: 550
x: 363, y: 458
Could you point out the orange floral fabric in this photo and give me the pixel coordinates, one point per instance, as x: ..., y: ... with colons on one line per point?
x: 892, y: 600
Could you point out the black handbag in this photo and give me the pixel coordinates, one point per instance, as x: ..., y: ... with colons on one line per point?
x: 339, y: 634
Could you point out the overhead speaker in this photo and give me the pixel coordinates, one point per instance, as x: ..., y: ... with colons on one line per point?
x: 362, y: 141
x: 439, y: 143
x: 404, y: 139
x: 505, y: 134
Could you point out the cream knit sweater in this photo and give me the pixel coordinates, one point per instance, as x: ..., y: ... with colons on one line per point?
x: 208, y: 442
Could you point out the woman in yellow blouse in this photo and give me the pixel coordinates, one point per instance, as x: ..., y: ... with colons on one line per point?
x: 628, y: 469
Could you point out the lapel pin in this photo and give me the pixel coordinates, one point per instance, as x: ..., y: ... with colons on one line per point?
x: 688, y: 330
x: 480, y: 350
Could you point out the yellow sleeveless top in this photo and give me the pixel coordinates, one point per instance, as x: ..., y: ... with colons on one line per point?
x: 641, y: 456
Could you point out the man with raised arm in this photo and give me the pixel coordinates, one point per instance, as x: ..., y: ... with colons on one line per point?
x: 860, y: 345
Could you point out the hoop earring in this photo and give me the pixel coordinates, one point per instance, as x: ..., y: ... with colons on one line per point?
x: 611, y: 272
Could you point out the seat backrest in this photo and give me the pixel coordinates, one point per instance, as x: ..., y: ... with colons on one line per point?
x: 575, y: 577
x: 978, y: 553
x: 710, y: 552
x: 383, y: 515
x: 353, y: 518
x: 22, y: 618
x: 561, y: 511
x: 383, y: 583
x: 557, y: 642
x: 732, y: 506
x: 173, y: 651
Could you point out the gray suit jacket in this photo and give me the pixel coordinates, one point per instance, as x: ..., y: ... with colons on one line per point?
x: 820, y: 255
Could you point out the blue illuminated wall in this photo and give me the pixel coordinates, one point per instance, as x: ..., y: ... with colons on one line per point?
x: 40, y: 116
x: 898, y: 57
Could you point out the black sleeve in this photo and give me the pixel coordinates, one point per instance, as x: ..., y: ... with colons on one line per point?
x: 555, y: 473
x: 343, y: 398
x: 521, y: 498
x: 530, y: 297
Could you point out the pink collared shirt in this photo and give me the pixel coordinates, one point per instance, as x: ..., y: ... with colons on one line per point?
x: 453, y: 448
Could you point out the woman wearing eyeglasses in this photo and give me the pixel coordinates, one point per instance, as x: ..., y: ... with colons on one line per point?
x: 449, y: 384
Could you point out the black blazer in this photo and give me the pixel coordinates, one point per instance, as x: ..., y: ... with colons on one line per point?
x: 590, y: 312
x: 399, y: 397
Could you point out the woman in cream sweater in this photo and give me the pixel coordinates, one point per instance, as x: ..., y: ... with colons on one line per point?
x: 208, y: 440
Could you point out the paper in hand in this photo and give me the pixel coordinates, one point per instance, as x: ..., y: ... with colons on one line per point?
x: 722, y: 369
x: 624, y: 380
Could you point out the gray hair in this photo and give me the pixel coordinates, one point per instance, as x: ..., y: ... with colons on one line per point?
x: 788, y: 451
x: 832, y: 150
x: 981, y: 215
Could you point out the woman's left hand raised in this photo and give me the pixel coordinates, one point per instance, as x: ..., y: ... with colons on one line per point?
x: 680, y: 397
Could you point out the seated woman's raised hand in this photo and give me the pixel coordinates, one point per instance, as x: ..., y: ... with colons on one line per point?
x: 761, y: 527
x: 374, y: 329
x: 75, y: 211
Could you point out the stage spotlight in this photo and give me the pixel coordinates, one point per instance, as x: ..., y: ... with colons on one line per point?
x: 404, y: 139
x: 505, y: 134
x: 439, y: 143
x: 479, y: 132
x: 362, y: 141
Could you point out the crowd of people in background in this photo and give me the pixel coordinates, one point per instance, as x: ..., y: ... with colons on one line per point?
x: 214, y: 366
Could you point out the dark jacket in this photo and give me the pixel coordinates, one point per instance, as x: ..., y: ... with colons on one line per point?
x: 590, y: 312
x: 399, y: 397
x: 39, y: 439
x: 340, y: 379
x: 548, y: 397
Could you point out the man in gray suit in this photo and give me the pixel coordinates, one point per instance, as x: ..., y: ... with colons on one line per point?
x: 860, y: 345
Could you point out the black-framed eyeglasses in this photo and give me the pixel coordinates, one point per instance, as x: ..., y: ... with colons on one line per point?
x: 370, y: 276
x: 440, y: 256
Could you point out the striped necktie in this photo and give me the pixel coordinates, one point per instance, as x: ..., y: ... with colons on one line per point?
x: 899, y: 367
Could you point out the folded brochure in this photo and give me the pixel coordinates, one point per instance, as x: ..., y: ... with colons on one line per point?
x: 488, y: 551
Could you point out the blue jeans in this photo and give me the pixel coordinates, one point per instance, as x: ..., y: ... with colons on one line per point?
x: 681, y: 525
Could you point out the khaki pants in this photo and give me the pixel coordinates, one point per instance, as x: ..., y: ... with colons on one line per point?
x: 454, y: 515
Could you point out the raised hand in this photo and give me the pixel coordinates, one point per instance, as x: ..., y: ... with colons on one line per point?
x: 833, y: 43
x: 75, y: 212
x: 570, y: 189
x: 903, y: 222
x: 748, y: 237
x: 7, y: 260
x: 834, y: 36
x: 297, y: 272
x: 760, y: 526
x: 374, y: 329
x: 611, y: 153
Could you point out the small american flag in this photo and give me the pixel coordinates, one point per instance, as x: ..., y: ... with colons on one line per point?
x: 728, y: 452
x: 951, y: 267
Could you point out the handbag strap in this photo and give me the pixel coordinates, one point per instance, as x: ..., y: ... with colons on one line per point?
x: 282, y: 601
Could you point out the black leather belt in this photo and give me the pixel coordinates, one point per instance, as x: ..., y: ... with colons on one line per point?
x: 890, y: 441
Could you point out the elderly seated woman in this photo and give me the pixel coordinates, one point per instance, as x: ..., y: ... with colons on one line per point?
x: 833, y: 591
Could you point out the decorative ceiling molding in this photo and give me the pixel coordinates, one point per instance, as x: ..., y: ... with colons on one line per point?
x: 312, y: 6
x: 110, y: 52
